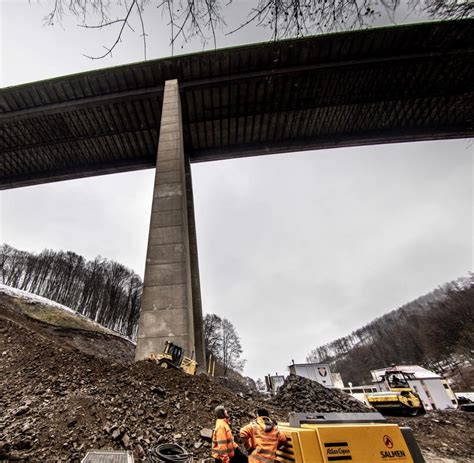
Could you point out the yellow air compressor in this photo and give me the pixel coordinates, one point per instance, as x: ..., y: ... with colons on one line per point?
x: 354, y: 437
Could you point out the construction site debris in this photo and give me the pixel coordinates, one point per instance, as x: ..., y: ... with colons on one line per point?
x: 57, y: 402
x: 206, y: 434
x: 445, y: 433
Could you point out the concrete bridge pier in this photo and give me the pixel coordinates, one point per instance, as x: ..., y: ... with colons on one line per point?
x: 171, y: 302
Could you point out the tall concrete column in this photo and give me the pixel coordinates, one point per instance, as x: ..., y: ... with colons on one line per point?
x: 171, y: 301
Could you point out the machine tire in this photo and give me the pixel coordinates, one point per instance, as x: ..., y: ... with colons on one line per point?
x: 163, y: 364
x: 166, y: 364
x: 413, y: 411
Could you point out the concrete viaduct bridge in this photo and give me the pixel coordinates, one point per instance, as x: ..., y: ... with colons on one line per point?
x: 382, y: 85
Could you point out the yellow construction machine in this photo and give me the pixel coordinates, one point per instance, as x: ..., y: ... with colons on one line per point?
x: 355, y: 437
x: 396, y: 395
x: 324, y: 438
x: 173, y: 357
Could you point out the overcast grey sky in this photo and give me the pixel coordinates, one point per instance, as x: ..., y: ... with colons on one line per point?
x: 294, y: 249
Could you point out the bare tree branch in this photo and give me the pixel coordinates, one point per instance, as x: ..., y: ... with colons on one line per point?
x: 256, y: 13
x: 144, y: 35
x: 296, y: 18
x: 100, y: 26
x: 188, y: 19
x: 119, y: 36
x: 172, y: 25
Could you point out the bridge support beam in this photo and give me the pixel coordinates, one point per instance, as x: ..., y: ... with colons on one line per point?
x: 171, y: 302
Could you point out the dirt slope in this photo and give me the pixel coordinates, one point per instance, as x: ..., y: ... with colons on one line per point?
x: 59, y: 402
x: 65, y: 389
x: 60, y: 394
x: 62, y: 326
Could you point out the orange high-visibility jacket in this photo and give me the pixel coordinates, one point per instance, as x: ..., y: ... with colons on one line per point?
x: 265, y: 437
x: 223, y: 445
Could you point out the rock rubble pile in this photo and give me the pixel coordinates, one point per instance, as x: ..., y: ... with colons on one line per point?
x: 60, y: 399
x: 303, y: 395
x: 58, y: 402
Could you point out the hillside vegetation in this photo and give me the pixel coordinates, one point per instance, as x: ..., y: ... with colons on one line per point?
x: 63, y: 326
x: 100, y: 289
x: 435, y: 330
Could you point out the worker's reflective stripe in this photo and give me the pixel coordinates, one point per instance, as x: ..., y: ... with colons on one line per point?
x: 223, y: 446
x: 264, y: 441
x: 266, y: 438
x: 224, y: 452
x: 254, y: 456
x: 224, y: 441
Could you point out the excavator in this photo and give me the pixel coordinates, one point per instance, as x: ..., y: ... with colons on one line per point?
x: 396, y: 395
x: 173, y: 357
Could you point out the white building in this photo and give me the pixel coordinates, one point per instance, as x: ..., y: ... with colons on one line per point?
x: 319, y: 372
x: 432, y: 389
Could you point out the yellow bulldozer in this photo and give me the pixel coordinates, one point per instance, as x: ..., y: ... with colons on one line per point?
x: 355, y: 437
x: 395, y: 395
x: 173, y: 357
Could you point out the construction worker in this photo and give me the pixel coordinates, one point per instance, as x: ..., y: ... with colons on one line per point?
x: 262, y: 438
x: 224, y: 449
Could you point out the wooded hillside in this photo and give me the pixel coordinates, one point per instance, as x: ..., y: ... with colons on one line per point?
x: 101, y: 289
x: 435, y: 330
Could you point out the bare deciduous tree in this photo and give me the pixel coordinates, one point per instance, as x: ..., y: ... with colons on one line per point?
x: 435, y: 330
x: 102, y: 290
x: 231, y: 348
x: 222, y: 341
x: 213, y: 334
x: 285, y: 18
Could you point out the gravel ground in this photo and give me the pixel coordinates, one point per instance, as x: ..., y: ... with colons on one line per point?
x: 65, y: 390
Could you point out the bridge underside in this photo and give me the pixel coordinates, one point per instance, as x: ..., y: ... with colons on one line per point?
x: 375, y: 86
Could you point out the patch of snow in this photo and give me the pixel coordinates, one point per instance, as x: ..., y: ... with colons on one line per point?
x: 34, y: 298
